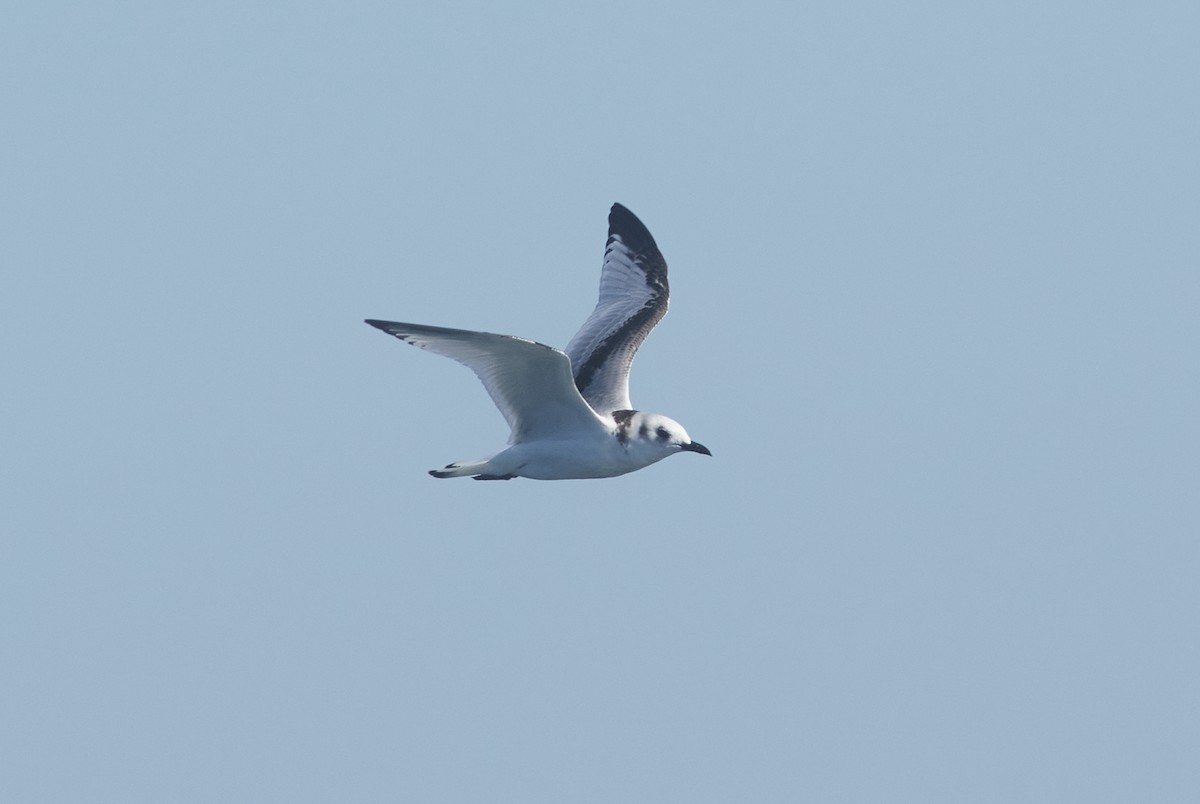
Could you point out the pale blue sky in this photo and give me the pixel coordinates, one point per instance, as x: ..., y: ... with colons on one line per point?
x: 935, y: 273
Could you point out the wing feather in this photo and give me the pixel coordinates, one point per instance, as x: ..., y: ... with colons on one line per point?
x: 530, y: 382
x: 634, y: 294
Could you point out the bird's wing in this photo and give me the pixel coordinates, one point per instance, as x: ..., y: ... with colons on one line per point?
x: 633, y: 297
x: 529, y: 382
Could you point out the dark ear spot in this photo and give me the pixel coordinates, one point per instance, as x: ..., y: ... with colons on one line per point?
x: 643, y: 431
x: 663, y: 435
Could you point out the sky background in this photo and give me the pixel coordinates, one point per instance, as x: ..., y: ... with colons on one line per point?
x: 935, y: 273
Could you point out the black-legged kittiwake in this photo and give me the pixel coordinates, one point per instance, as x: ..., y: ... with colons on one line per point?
x: 569, y: 411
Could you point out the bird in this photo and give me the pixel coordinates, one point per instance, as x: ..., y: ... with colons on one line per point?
x: 569, y: 410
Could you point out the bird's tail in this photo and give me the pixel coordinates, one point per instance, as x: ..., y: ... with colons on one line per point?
x: 463, y: 469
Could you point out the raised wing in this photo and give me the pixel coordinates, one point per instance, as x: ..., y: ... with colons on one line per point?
x: 633, y: 298
x: 529, y: 382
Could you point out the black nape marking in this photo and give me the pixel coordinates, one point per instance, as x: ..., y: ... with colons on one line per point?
x: 623, y: 418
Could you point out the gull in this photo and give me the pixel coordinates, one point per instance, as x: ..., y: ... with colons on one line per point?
x: 569, y: 410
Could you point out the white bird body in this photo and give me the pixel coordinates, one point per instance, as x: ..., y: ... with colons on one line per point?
x: 569, y: 412
x: 602, y: 452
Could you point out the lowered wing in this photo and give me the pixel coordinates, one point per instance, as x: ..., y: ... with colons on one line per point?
x: 530, y: 382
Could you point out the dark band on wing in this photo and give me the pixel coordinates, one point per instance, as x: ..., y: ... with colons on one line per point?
x: 623, y: 225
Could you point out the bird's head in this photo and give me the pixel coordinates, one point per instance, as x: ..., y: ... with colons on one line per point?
x: 655, y: 431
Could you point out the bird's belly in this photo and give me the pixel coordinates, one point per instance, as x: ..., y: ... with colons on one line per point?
x: 565, y: 460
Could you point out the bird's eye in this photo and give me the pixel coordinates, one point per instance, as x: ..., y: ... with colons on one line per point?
x: 663, y: 435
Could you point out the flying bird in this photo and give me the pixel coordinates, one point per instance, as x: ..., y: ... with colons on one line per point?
x: 569, y: 411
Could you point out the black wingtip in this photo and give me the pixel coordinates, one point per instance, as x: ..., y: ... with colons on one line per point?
x: 631, y: 230
x: 383, y: 325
